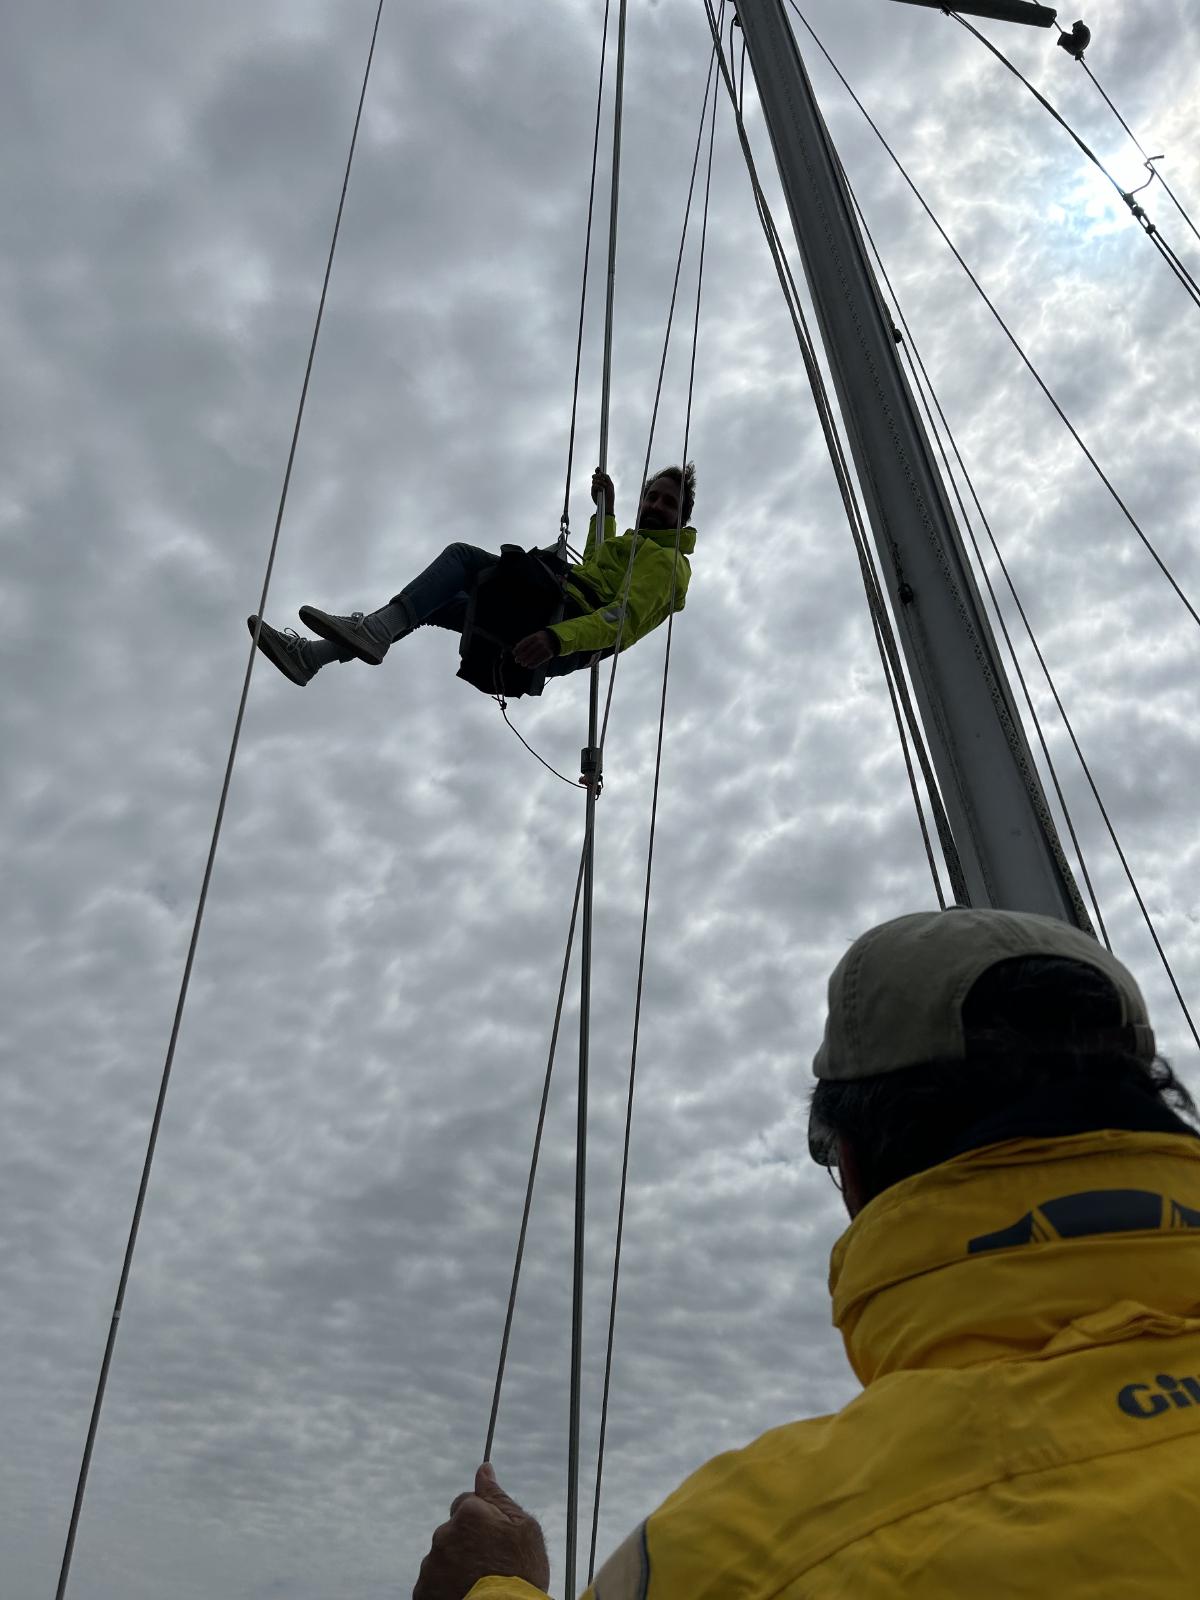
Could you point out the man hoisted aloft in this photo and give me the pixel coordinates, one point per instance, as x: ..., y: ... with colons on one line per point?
x: 586, y: 598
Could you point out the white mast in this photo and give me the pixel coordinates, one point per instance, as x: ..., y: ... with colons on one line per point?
x: 1002, y: 826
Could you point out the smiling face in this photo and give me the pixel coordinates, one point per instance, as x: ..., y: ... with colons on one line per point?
x: 660, y: 505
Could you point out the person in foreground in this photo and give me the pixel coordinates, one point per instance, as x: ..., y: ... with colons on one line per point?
x: 1018, y: 1292
x: 605, y: 599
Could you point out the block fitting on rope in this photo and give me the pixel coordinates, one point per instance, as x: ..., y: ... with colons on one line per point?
x: 589, y: 767
x: 1077, y: 41
x: 1138, y: 212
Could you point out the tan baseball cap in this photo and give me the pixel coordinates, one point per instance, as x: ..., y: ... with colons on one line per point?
x: 896, y: 996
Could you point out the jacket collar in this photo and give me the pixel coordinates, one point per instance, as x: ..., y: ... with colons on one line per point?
x: 1034, y: 1246
x: 664, y: 538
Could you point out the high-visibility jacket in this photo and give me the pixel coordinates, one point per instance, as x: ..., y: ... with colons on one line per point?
x: 597, y: 586
x: 1026, y: 1322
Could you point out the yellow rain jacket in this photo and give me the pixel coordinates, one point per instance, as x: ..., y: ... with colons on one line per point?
x: 1026, y: 1322
x: 598, y: 584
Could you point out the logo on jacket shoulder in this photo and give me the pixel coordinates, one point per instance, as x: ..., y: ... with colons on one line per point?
x: 1083, y: 1216
x: 1144, y: 1400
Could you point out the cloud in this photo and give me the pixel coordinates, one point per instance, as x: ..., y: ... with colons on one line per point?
x: 308, y: 1348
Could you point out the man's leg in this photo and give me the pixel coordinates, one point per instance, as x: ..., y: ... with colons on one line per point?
x: 437, y: 597
x: 438, y: 590
x: 446, y: 580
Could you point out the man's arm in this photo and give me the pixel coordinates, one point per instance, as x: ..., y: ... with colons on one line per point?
x: 538, y: 648
x: 602, y: 484
x: 647, y: 604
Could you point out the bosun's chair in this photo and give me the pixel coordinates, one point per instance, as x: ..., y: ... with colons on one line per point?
x: 520, y: 595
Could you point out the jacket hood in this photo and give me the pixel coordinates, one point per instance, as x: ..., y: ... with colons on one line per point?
x: 1035, y: 1246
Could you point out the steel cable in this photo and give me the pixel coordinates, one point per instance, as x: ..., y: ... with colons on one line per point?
x: 143, y: 1187
x: 533, y: 1165
x: 1008, y: 333
x: 1149, y: 159
x: 1137, y: 894
x: 658, y: 393
x: 641, y: 975
x: 658, y: 388
x: 1189, y: 283
x: 930, y: 401
x: 884, y: 633
x: 565, y: 522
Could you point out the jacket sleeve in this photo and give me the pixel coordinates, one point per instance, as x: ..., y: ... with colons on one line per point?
x: 646, y: 605
x: 589, y: 545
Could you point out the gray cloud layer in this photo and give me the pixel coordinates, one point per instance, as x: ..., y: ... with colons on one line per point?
x: 305, y: 1366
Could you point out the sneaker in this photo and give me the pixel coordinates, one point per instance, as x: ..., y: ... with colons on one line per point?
x: 286, y: 650
x: 351, y: 633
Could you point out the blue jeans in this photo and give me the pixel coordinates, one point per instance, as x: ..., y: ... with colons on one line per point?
x: 437, y: 597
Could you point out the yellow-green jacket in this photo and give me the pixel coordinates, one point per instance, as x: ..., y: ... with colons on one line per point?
x: 598, y: 584
x: 1026, y: 1322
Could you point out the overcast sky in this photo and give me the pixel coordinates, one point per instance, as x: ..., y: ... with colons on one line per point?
x: 304, y: 1370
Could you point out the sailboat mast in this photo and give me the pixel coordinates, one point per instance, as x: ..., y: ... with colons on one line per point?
x: 1002, y: 826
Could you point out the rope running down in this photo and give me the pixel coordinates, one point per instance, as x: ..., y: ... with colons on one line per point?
x: 641, y: 975
x: 554, y: 1039
x: 533, y: 1167
x: 565, y: 523
x: 594, y: 774
x: 98, y: 1403
x: 662, y: 367
x: 658, y: 388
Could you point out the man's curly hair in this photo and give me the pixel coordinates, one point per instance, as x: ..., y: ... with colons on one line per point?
x: 685, y: 477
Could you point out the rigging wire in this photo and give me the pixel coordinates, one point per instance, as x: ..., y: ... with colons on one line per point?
x: 884, y: 633
x: 1191, y: 287
x: 907, y: 723
x: 1137, y: 894
x: 658, y: 393
x: 533, y: 1164
x: 1149, y: 159
x: 1008, y: 333
x: 658, y: 389
x: 641, y: 976
x: 564, y: 525
x: 662, y: 367
x: 923, y: 384
x: 143, y: 1187
x: 593, y: 773
x: 565, y: 521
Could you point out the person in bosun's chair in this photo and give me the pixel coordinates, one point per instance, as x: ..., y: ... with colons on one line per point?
x: 593, y: 591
